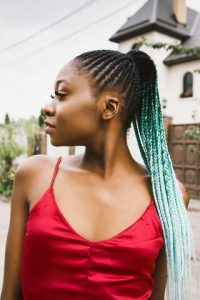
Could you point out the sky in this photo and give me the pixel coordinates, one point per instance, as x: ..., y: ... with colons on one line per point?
x: 28, y: 71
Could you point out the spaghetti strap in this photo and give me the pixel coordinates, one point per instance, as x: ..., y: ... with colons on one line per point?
x: 55, y: 171
x: 152, y: 199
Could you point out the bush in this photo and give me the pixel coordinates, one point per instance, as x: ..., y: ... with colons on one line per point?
x: 9, y: 150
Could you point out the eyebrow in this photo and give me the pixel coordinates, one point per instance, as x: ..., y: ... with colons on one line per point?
x: 60, y: 81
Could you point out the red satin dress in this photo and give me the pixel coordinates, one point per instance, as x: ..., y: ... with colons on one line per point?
x: 60, y: 264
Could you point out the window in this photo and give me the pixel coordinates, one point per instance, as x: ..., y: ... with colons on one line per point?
x: 187, y: 85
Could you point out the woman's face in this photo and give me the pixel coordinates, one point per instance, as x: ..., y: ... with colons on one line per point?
x: 73, y: 111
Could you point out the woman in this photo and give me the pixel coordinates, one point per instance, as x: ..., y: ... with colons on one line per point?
x: 100, y: 225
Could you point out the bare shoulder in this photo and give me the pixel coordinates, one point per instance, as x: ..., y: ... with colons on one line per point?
x: 33, y: 163
x: 37, y: 167
x: 34, y: 171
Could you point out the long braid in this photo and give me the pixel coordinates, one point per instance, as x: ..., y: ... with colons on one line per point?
x: 134, y: 74
x: 176, y: 226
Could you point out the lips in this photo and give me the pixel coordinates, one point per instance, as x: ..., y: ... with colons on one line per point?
x: 50, y: 128
x: 49, y: 124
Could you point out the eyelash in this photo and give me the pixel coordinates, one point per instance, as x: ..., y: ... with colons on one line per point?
x: 59, y: 95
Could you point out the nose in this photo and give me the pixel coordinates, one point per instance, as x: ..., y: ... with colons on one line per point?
x: 48, y: 110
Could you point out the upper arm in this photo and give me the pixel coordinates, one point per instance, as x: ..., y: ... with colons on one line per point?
x: 160, y: 273
x: 160, y: 276
x: 19, y: 211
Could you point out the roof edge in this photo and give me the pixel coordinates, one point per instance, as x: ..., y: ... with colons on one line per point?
x: 179, y: 60
x: 149, y: 27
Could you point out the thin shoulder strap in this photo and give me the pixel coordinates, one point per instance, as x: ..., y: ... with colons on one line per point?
x: 55, y: 171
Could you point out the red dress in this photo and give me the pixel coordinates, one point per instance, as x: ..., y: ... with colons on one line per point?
x: 59, y: 264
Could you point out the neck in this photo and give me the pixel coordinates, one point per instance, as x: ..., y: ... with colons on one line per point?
x: 108, y: 155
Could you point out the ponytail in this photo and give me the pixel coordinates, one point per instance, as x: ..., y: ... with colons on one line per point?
x: 150, y: 134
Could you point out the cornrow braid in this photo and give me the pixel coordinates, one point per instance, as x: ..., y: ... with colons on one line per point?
x: 134, y: 74
x: 110, y: 69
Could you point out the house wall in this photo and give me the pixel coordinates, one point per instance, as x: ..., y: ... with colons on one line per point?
x: 170, y: 78
x: 181, y: 109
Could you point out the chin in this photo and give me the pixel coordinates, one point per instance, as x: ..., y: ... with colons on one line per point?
x: 55, y: 143
x: 60, y: 142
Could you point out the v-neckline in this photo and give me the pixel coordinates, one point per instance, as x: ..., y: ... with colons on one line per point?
x: 100, y: 241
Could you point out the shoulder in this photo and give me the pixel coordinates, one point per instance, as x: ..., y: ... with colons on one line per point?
x: 32, y: 169
x: 33, y: 164
x: 36, y: 163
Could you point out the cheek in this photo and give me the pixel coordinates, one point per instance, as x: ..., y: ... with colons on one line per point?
x: 78, y: 120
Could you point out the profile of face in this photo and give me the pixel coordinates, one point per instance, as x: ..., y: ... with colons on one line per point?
x: 77, y: 116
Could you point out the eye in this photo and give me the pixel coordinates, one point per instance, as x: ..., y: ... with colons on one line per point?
x: 58, y: 94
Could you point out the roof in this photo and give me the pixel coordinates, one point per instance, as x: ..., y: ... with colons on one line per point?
x: 157, y: 15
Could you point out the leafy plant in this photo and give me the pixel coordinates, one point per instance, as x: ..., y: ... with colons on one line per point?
x: 9, y: 150
x: 176, y: 47
x: 11, y: 135
x: 32, y: 129
x: 41, y: 118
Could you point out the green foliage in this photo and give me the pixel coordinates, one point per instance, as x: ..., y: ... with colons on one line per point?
x: 6, y: 179
x: 176, y: 48
x: 139, y: 43
x: 10, y: 134
x: 9, y: 150
x: 41, y: 118
x: 7, y: 119
x: 32, y: 130
x: 192, y: 134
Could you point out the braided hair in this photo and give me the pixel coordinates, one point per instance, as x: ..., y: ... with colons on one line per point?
x: 134, y: 75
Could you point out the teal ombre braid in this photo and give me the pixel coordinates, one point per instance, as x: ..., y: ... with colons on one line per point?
x: 179, y: 243
x: 134, y: 74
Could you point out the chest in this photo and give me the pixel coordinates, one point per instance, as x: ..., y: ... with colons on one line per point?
x: 98, y: 211
x: 95, y: 209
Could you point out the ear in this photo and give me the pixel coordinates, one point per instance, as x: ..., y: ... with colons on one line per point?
x: 110, y: 107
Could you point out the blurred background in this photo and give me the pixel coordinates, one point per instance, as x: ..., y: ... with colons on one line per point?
x: 39, y: 37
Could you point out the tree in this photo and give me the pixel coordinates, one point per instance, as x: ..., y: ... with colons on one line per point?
x: 7, y: 119
x: 41, y: 118
x: 9, y: 150
x: 11, y: 134
x: 32, y: 129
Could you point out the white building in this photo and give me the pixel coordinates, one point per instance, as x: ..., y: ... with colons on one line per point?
x: 163, y: 21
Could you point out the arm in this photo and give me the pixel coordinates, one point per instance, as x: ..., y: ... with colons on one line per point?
x: 160, y: 273
x: 11, y: 289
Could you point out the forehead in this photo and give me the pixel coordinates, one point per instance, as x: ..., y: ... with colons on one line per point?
x: 70, y: 76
